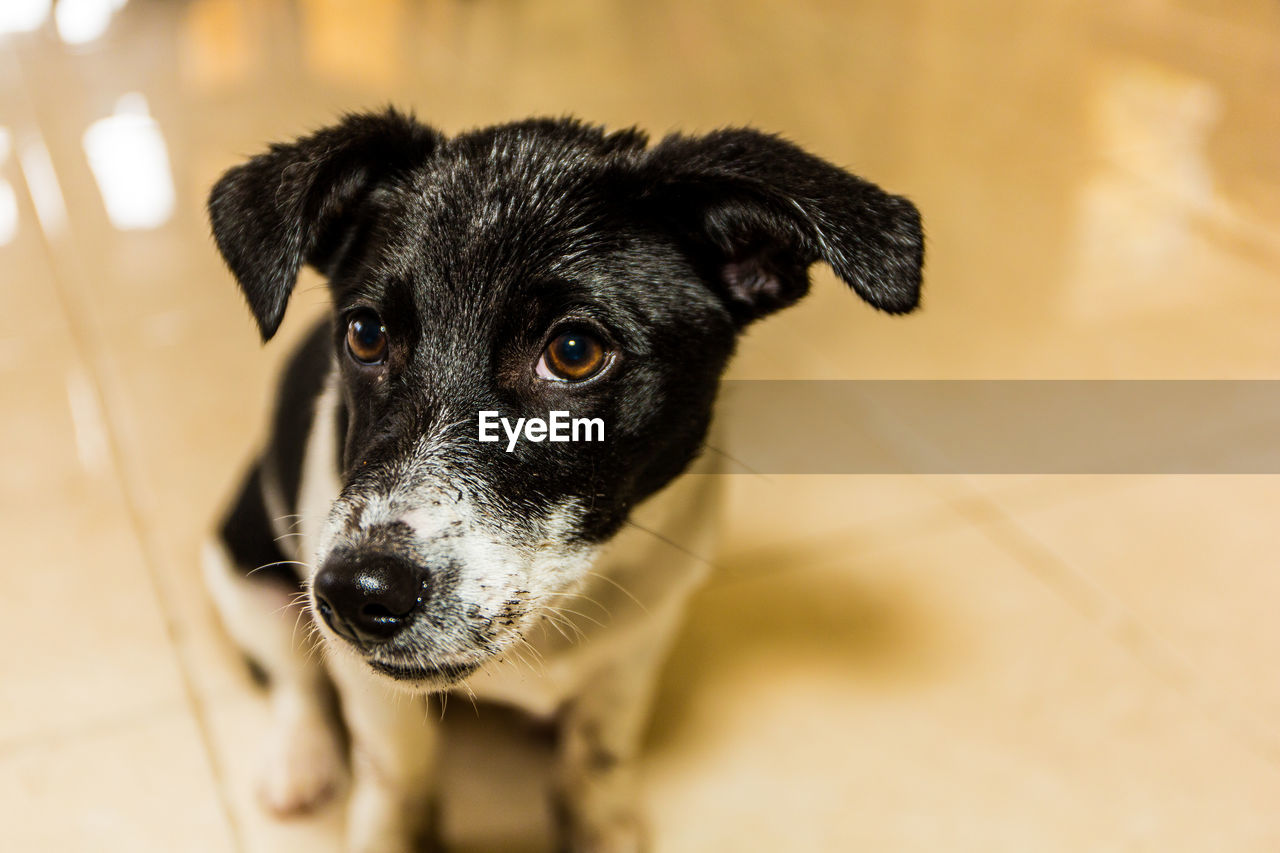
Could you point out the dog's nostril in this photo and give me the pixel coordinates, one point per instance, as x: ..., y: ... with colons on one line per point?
x: 379, y: 611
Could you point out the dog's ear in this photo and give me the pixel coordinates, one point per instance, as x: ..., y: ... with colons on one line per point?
x: 294, y: 204
x: 759, y: 211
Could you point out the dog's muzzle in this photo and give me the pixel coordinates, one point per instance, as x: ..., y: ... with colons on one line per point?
x: 369, y: 597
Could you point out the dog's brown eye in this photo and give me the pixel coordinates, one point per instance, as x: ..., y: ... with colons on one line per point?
x: 366, y: 337
x: 571, y: 357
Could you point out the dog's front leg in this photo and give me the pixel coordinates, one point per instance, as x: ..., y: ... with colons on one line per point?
x: 601, y: 730
x: 393, y: 752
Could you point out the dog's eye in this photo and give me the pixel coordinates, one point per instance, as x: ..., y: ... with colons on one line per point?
x: 571, y: 357
x: 367, y: 337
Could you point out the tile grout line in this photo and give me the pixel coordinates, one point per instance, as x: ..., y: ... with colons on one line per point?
x: 1084, y: 595
x: 91, y: 352
x: 1108, y: 614
x: 115, y: 722
x: 108, y: 725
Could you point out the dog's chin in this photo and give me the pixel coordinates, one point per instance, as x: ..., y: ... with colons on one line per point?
x: 417, y: 676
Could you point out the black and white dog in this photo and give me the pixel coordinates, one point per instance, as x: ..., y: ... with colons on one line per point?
x: 526, y: 271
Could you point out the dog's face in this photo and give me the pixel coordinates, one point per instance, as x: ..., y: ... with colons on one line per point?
x: 523, y: 270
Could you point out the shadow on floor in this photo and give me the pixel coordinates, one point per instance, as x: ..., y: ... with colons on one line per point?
x: 768, y: 613
x: 762, y: 614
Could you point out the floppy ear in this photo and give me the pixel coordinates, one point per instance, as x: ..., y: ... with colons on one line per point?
x: 295, y: 204
x: 760, y: 210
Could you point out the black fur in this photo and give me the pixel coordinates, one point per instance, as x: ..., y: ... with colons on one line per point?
x: 291, y: 205
x: 766, y: 210
x: 476, y: 249
x: 247, y: 533
x: 303, y: 380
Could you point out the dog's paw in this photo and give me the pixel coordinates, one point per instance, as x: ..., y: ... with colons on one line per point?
x: 625, y: 832
x: 377, y: 823
x: 303, y: 767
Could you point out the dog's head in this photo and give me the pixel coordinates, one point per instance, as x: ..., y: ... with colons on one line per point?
x: 536, y: 267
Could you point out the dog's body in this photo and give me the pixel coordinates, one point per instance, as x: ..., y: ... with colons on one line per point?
x: 523, y: 269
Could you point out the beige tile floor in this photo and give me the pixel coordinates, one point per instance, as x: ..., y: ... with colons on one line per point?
x: 883, y: 662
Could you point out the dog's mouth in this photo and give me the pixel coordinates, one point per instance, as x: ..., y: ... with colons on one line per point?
x: 440, y: 674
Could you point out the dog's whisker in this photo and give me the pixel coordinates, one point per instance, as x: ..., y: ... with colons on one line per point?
x: 444, y: 704
x: 549, y: 618
x: 656, y: 535
x: 297, y: 520
x: 298, y: 621
x: 561, y: 610
x: 472, y: 696
x: 584, y: 597
x: 560, y: 622
x: 620, y: 587
x: 523, y: 645
x: 288, y: 605
x: 275, y: 563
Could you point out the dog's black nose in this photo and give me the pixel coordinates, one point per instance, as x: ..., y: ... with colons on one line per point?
x: 368, y: 598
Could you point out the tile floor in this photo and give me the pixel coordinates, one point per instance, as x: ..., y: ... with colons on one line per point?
x: 882, y: 662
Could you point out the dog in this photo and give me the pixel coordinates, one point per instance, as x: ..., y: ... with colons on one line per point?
x: 544, y: 270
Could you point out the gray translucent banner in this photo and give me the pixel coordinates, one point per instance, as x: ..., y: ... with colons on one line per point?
x: 1000, y: 427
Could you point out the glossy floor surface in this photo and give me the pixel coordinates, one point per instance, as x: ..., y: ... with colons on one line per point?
x: 882, y: 662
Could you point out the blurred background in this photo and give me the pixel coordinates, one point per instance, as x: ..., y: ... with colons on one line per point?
x: 882, y: 662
